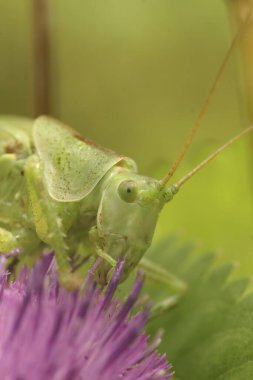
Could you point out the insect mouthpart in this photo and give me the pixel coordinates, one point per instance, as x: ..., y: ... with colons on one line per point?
x: 102, y: 274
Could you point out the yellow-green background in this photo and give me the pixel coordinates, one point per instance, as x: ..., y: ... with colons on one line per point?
x: 132, y: 75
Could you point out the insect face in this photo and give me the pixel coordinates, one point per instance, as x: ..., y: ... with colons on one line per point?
x: 127, y: 215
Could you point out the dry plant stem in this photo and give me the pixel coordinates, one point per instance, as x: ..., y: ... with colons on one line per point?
x: 41, y: 58
x: 204, y: 107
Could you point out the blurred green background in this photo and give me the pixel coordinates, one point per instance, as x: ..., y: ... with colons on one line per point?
x: 132, y: 75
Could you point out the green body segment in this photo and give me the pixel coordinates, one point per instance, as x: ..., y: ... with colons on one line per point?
x: 16, y: 224
x: 62, y: 192
x: 73, y: 165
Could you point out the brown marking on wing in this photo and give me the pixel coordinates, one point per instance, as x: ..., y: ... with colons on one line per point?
x: 13, y: 147
x: 88, y: 141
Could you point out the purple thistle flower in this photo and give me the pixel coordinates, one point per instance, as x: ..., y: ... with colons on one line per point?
x: 49, y: 333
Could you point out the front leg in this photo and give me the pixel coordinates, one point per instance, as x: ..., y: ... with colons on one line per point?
x: 48, y: 223
x: 94, y: 238
x: 8, y: 241
x: 172, y: 283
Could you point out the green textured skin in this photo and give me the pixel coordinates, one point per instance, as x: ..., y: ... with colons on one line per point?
x: 15, y: 147
x: 59, y: 190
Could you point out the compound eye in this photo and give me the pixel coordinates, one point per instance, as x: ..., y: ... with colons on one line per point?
x: 128, y: 191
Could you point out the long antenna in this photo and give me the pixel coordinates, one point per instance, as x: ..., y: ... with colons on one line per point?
x: 212, y: 156
x: 41, y: 57
x: 205, y: 105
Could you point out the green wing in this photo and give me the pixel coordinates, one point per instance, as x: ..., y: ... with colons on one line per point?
x: 73, y: 165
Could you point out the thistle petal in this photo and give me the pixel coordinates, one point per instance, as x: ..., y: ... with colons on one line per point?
x: 47, y: 332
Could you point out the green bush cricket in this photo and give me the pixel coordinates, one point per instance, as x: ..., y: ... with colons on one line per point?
x: 45, y: 199
x: 62, y: 191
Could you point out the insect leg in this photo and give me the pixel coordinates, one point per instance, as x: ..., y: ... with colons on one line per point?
x: 93, y: 234
x: 161, y: 275
x: 105, y: 256
x: 175, y: 286
x: 8, y: 241
x: 48, y: 224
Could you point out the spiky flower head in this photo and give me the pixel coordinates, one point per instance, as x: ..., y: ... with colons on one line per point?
x: 48, y: 333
